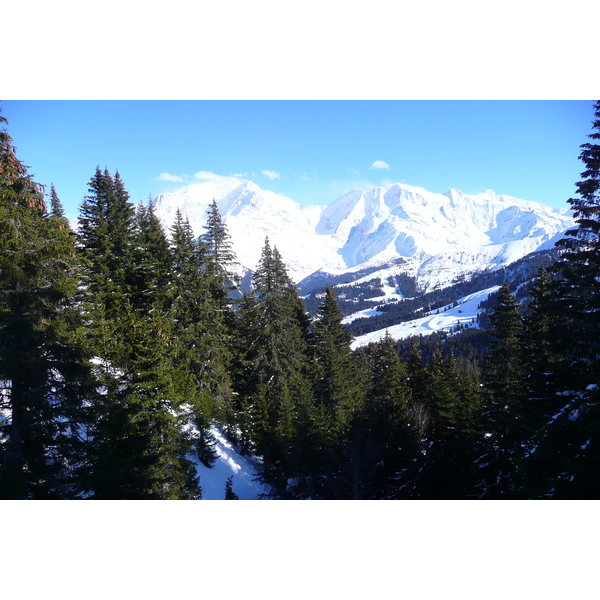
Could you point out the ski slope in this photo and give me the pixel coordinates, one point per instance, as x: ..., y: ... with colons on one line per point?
x: 442, y: 319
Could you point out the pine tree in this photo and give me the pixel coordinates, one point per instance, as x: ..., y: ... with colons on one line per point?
x: 245, y: 353
x: 505, y: 390
x: 543, y: 353
x: 564, y: 459
x: 218, y: 241
x: 220, y: 259
x: 578, y: 287
x: 229, y: 493
x: 277, y: 387
x: 106, y: 241
x: 43, y: 364
x: 420, y: 383
x: 152, y: 261
x: 199, y: 327
x: 390, y: 439
x: 140, y: 440
x: 56, y: 209
x: 454, y: 437
x: 336, y: 386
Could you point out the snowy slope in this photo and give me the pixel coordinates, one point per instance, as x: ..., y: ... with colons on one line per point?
x: 443, y: 319
x: 440, y: 236
x: 229, y: 463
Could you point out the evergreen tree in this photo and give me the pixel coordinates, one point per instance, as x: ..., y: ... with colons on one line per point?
x: 229, y: 493
x: 220, y: 259
x: 338, y: 396
x: 43, y: 364
x: 543, y: 353
x: 139, y: 443
x: 218, y: 241
x: 106, y: 241
x: 578, y: 287
x: 277, y: 389
x: 336, y: 386
x: 199, y: 327
x: 420, y: 383
x: 505, y: 391
x: 245, y: 353
x: 56, y: 208
x: 454, y: 436
x: 565, y: 454
x: 140, y: 439
x: 152, y: 261
x: 390, y: 439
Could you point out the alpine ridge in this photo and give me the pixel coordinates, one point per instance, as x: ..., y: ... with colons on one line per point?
x: 434, y: 237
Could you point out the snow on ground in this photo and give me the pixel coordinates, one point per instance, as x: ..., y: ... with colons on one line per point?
x: 367, y: 312
x: 438, y: 320
x: 390, y: 292
x: 228, y: 463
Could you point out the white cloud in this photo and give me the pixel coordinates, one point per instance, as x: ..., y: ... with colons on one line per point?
x: 208, y: 176
x: 353, y: 171
x: 169, y: 177
x: 379, y: 164
x: 271, y: 174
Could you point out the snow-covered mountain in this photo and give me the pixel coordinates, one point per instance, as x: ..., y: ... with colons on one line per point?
x: 437, y: 236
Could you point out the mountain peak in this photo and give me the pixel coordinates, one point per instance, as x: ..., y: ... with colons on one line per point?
x: 437, y: 235
x: 251, y: 186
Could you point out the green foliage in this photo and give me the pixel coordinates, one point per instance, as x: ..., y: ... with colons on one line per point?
x: 139, y: 445
x: 202, y: 325
x: 277, y: 388
x: 505, y: 392
x: 564, y: 337
x: 220, y: 252
x: 140, y: 441
x: 578, y: 286
x: 334, y: 372
x: 454, y: 436
x: 219, y: 262
x: 106, y: 242
x: 152, y: 262
x: 229, y: 493
x: 43, y: 364
x: 388, y: 438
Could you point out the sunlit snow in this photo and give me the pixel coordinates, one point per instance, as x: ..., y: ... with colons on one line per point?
x: 229, y: 463
x: 439, y: 235
x: 442, y: 319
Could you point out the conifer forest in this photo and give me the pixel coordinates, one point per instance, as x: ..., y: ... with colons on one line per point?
x: 120, y: 344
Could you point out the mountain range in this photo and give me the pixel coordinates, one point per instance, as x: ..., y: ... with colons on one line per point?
x: 430, y: 236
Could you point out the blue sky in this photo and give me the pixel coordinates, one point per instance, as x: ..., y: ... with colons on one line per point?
x: 310, y: 151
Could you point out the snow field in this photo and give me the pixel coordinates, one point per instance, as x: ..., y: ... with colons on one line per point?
x: 442, y: 319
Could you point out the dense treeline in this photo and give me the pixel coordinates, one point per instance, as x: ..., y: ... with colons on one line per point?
x: 121, y: 343
x: 354, y: 297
